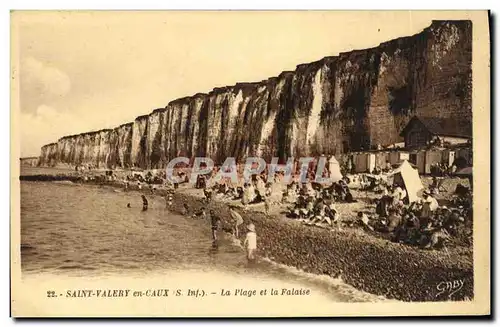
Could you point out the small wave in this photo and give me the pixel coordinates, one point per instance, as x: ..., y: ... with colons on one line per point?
x: 30, y: 254
x: 64, y: 182
x: 104, y: 250
x: 328, y: 283
x: 76, y: 267
x: 27, y: 247
x: 123, y: 266
x: 44, y: 256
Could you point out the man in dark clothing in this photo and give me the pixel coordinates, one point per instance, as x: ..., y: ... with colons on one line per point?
x: 349, y: 198
x: 383, y: 206
x: 215, y: 220
x: 208, y: 192
x: 201, y: 182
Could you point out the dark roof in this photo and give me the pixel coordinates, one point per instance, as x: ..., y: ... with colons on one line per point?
x: 443, y: 126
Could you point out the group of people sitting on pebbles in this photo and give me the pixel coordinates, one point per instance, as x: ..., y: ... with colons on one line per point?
x: 253, y: 191
x: 309, y: 202
x: 314, y: 203
x: 422, y: 223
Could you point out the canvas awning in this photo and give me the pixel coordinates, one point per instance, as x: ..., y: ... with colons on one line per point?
x: 467, y: 171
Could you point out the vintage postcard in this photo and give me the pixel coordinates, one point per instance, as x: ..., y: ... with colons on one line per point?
x: 250, y: 163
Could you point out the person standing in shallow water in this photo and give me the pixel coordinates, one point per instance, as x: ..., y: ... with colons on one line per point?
x: 267, y: 198
x: 144, y: 203
x: 168, y: 200
x: 236, y: 221
x: 215, y: 224
x: 251, y: 242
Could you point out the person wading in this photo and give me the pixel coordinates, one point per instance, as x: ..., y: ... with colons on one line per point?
x: 144, y: 203
x: 237, y: 220
x: 215, y: 220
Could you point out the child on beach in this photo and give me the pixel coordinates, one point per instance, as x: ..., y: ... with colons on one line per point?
x: 251, y: 242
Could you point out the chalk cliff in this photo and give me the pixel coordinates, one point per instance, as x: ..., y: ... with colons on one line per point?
x: 29, y: 161
x: 357, y: 100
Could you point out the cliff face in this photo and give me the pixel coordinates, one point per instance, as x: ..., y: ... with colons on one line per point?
x: 29, y: 161
x: 354, y: 101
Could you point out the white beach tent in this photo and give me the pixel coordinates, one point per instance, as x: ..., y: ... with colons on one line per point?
x: 334, y: 169
x: 408, y: 176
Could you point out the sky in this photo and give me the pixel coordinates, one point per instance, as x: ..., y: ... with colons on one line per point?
x: 83, y: 71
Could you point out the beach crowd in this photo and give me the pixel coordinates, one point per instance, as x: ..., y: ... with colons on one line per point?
x: 421, y: 222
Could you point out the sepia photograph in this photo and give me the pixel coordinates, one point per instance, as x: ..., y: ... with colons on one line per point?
x: 250, y: 163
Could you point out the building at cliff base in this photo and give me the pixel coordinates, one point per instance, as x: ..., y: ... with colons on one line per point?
x: 423, y: 131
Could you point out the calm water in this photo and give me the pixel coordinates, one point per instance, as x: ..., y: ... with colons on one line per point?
x: 28, y: 170
x: 83, y: 230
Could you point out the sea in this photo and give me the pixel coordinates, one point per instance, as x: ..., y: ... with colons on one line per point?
x: 71, y: 230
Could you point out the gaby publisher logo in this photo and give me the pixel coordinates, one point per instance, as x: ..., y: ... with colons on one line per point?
x: 253, y: 166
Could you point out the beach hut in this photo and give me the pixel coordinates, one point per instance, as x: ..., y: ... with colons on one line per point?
x: 372, y: 160
x: 432, y: 157
x: 360, y: 162
x: 417, y: 158
x: 334, y: 169
x: 404, y: 156
x: 394, y: 158
x: 408, y: 177
x: 449, y: 157
x: 381, y: 159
